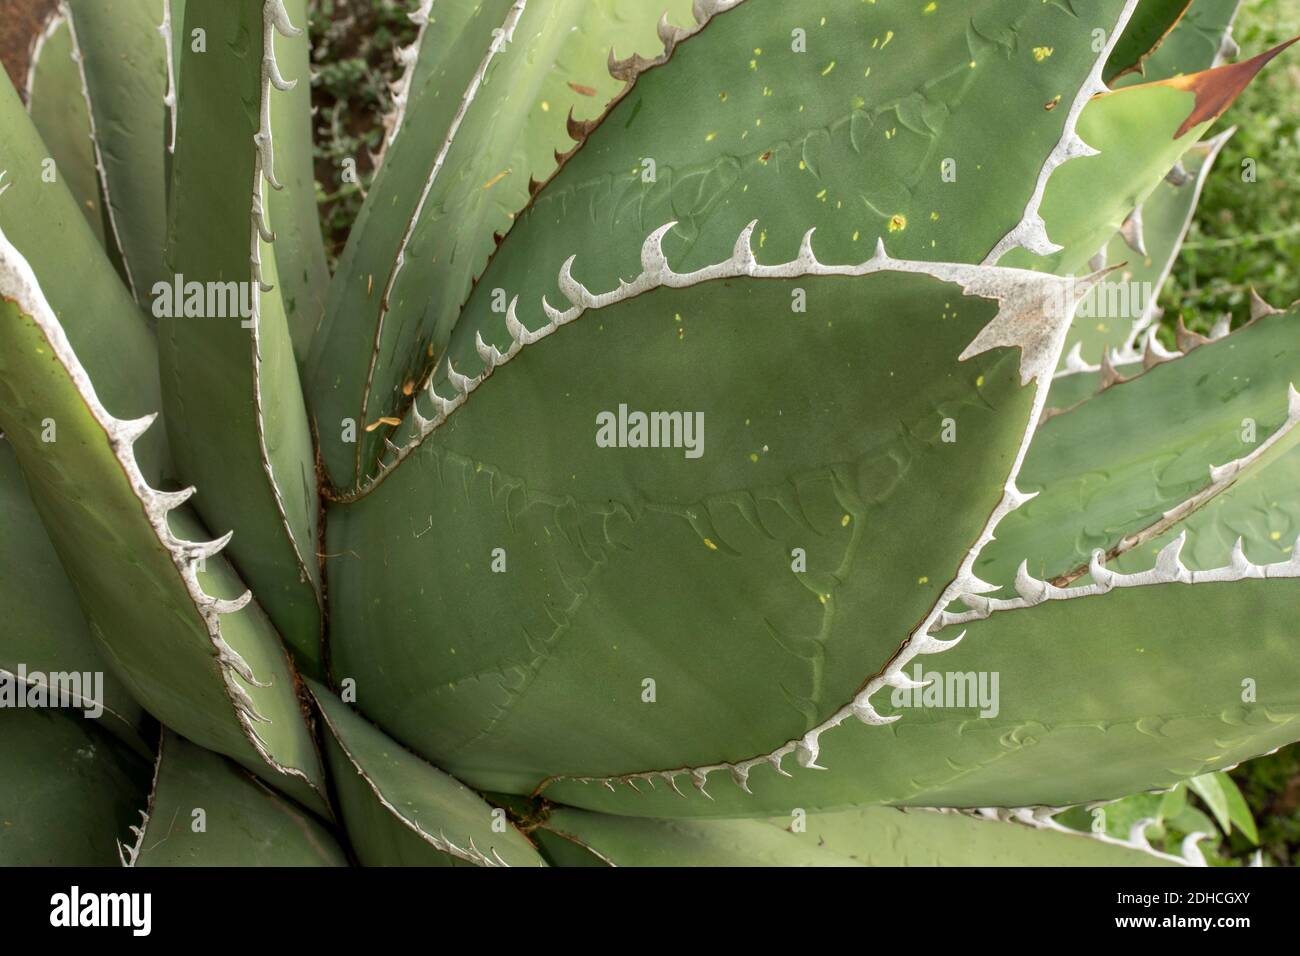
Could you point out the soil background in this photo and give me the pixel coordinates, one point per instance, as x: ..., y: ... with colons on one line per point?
x: 20, y: 21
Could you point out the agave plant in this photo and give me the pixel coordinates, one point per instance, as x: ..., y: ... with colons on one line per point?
x: 719, y: 441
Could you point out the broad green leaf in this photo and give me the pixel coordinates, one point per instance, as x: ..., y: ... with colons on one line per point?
x: 1110, y: 469
x: 1202, y: 35
x: 43, y: 632
x: 233, y: 404
x: 44, y: 220
x: 401, y: 811
x: 755, y: 574
x: 1136, y: 135
x: 1124, y: 305
x: 870, y: 836
x: 122, y: 59
x: 69, y: 790
x: 853, y: 136
x: 62, y: 118
x: 481, y: 125
x: 1098, y: 696
x: 1150, y: 26
x: 207, y: 811
x: 174, y: 618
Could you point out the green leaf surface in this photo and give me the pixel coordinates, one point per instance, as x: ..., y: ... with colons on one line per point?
x: 303, y: 275
x: 401, y: 811
x: 850, y: 137
x: 1149, y: 27
x: 62, y: 118
x: 756, y: 584
x: 1195, y: 44
x: 869, y: 836
x: 69, y: 790
x: 1239, y: 812
x: 1125, y: 304
x: 1209, y: 787
x: 96, y: 311
x: 1116, y: 464
x: 43, y: 631
x: 171, y: 614
x: 1088, y: 708
x: 231, y: 396
x: 465, y: 160
x: 207, y: 811
x: 122, y: 59
x: 1137, y: 134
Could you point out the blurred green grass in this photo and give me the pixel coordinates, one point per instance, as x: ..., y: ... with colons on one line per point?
x: 1248, y: 233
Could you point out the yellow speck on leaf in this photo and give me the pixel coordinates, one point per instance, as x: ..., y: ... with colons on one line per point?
x: 1275, y: 535
x: 897, y: 222
x: 829, y: 66
x: 723, y: 96
x: 889, y: 35
x: 710, y: 137
x: 922, y: 580
x: 930, y: 7
x: 496, y: 179
x: 546, y: 107
x: 855, y: 235
x: 844, y: 522
x: 979, y: 382
x: 753, y: 456
x: 1041, y: 53
x: 708, y: 543
x: 822, y: 598
x: 934, y: 217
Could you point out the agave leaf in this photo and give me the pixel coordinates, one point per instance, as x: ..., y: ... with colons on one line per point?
x: 481, y: 123
x: 806, y: 545
x: 62, y: 118
x: 1258, y: 509
x: 176, y: 621
x: 1151, y: 24
x: 1114, y: 318
x: 1136, y: 135
x: 1110, y: 470
x: 204, y: 810
x: 401, y: 811
x: 69, y: 791
x: 96, y: 311
x: 867, y: 836
x: 1092, y: 713
x: 122, y: 61
x: 301, y: 269
x: 720, y: 135
x: 43, y: 630
x: 1202, y: 38
x: 233, y: 403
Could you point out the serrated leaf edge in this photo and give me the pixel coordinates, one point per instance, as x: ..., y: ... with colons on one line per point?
x: 1030, y: 233
x: 19, y: 285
